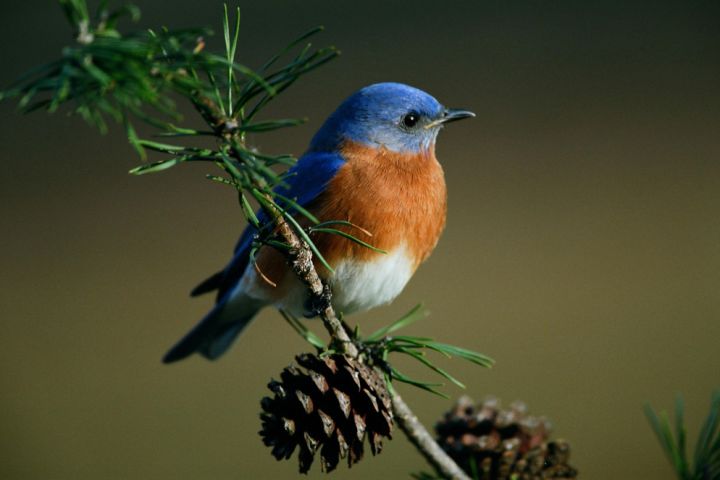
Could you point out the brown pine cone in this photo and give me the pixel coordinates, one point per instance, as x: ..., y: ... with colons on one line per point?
x: 490, y: 443
x: 327, y: 404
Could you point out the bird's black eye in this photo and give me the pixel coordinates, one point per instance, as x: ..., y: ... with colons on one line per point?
x: 411, y: 119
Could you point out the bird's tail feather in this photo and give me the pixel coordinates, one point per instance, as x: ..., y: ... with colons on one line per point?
x: 214, y: 334
x: 209, y: 284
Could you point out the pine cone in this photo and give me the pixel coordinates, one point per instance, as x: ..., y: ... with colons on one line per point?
x: 502, y: 444
x: 327, y: 404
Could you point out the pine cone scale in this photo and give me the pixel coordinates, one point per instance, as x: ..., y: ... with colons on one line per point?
x: 328, y: 425
x: 327, y: 406
x: 502, y: 444
x: 343, y: 401
x: 305, y: 401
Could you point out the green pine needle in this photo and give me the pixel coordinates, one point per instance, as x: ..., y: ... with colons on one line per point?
x: 420, y: 356
x: 303, y: 331
x: 706, y: 459
x: 428, y: 387
x: 155, y: 166
x: 292, y: 206
x: 272, y: 125
x: 231, y: 48
x: 350, y: 237
x: 219, y: 179
x: 380, y: 344
x: 248, y: 211
x: 304, y: 236
x: 415, y: 314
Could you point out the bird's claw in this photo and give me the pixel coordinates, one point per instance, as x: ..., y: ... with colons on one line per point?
x: 315, y: 306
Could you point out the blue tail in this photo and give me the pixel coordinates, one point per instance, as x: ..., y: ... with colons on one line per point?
x: 214, y: 334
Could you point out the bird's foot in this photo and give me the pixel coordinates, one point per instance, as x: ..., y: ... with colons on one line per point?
x: 316, y: 305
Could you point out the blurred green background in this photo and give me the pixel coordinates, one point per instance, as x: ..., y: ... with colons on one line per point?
x: 582, y: 250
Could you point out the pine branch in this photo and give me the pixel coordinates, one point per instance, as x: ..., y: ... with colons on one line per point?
x: 133, y: 77
x: 424, y: 442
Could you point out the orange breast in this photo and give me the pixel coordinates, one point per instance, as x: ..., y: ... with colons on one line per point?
x: 398, y: 198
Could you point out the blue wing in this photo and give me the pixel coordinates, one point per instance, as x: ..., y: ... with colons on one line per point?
x: 306, y: 180
x: 214, y: 334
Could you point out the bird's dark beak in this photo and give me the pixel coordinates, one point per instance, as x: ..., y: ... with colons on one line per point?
x: 451, y: 115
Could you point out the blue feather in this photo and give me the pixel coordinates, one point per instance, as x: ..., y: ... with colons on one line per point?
x: 306, y: 180
x: 372, y: 115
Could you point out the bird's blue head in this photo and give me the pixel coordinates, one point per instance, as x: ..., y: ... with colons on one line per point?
x: 390, y: 115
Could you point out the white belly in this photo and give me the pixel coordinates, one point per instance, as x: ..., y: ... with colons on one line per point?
x: 359, y: 286
x: 356, y: 285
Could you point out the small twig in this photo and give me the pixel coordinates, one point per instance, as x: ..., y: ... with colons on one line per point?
x: 424, y: 442
x: 300, y: 259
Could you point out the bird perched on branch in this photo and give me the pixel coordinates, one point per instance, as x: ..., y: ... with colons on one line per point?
x: 372, y: 164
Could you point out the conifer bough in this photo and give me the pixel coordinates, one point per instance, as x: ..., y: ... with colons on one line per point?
x: 134, y: 77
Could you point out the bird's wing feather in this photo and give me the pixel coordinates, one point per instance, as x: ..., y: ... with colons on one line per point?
x: 307, y: 179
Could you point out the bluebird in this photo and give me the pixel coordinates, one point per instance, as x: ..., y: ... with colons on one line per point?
x: 372, y: 163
